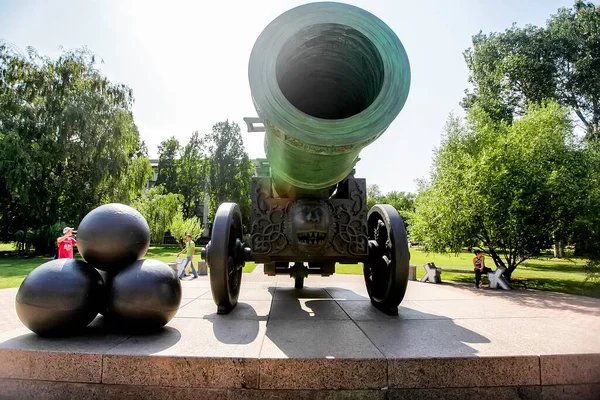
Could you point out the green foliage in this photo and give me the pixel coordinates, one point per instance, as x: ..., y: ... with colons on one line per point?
x: 159, y: 209
x: 500, y: 187
x: 403, y: 202
x: 191, y: 175
x: 168, y: 154
x: 585, y: 225
x: 229, y: 169
x: 374, y: 195
x: 42, y: 239
x: 592, y: 270
x: 182, y: 227
x: 68, y: 142
x: 521, y: 66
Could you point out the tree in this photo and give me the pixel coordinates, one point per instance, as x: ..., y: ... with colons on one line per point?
x: 168, y: 153
x: 159, y: 208
x: 68, y: 142
x: 584, y: 227
x: 523, y: 66
x: 229, y: 169
x: 374, y: 195
x: 182, y: 227
x: 404, y: 203
x: 191, y: 176
x: 499, y: 186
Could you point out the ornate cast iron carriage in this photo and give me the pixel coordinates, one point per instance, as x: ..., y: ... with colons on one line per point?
x: 327, y: 79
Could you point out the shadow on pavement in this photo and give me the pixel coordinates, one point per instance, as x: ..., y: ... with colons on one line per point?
x: 341, y: 323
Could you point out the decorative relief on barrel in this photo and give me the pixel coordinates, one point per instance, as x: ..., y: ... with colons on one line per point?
x: 351, y: 227
x: 309, y: 226
x: 268, y: 236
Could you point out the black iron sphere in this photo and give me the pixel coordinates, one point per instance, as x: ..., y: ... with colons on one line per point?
x: 60, y: 297
x: 107, y: 279
x: 112, y: 236
x: 144, y: 296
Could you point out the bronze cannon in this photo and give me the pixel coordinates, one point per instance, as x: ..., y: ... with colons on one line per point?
x: 327, y: 79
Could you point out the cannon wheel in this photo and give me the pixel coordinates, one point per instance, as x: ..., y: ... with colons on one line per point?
x: 225, y: 257
x: 386, y: 270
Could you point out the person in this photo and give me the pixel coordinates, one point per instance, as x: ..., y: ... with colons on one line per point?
x: 65, y: 243
x: 479, y: 265
x: 190, y: 249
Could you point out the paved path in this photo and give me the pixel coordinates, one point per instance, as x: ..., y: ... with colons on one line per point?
x: 473, y: 321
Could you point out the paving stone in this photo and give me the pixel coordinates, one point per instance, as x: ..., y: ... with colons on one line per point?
x: 473, y: 393
x: 316, y: 339
x: 538, y: 336
x: 323, y: 374
x: 464, y: 372
x: 365, y: 311
x: 284, y: 293
x: 587, y: 391
x: 319, y: 394
x: 181, y: 371
x: 50, y: 366
x: 206, y: 309
x: 45, y: 390
x: 570, y: 369
x: 195, y: 337
x: 302, y: 309
x: 423, y: 338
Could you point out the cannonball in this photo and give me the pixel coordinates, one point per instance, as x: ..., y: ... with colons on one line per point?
x: 144, y: 296
x: 112, y: 236
x: 107, y: 279
x: 60, y: 297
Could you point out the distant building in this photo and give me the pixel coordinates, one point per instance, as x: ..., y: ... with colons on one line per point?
x: 154, y: 165
x: 262, y: 167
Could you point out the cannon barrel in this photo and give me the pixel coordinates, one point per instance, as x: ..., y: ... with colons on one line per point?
x: 327, y: 79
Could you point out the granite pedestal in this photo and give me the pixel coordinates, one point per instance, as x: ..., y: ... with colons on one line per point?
x: 325, y: 341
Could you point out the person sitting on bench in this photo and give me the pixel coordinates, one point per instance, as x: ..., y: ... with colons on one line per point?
x: 479, y: 265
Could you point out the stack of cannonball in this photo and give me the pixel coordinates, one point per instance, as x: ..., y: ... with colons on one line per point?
x: 61, y: 297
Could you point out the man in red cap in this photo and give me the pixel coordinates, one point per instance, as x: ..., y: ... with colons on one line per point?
x: 66, y: 243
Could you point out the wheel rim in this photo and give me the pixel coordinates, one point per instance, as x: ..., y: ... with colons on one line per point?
x: 225, y: 256
x: 386, y: 271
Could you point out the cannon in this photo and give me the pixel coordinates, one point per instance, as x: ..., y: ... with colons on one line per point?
x: 327, y: 79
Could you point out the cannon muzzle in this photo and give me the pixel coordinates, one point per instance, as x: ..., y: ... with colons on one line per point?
x: 327, y: 79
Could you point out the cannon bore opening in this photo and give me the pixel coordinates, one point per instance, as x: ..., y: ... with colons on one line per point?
x: 330, y: 71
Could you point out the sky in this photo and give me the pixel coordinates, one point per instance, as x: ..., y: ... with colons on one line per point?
x: 187, y: 63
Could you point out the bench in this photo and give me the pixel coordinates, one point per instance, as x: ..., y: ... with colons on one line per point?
x: 434, y: 275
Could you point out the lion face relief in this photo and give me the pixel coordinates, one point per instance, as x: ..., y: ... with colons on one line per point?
x: 309, y: 225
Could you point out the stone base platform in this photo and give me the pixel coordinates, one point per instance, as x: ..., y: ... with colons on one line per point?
x: 325, y: 341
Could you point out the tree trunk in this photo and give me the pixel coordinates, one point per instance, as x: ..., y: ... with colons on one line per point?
x: 500, y: 264
x: 559, y: 249
x: 508, y: 273
x: 497, y: 259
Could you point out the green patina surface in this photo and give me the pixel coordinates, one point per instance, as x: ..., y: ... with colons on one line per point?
x: 327, y: 79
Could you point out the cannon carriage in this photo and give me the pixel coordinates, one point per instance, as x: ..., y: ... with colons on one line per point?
x: 327, y: 79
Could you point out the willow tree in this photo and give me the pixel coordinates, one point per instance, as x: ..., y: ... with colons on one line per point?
x: 68, y: 142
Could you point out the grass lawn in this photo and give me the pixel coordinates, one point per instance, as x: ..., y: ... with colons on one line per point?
x: 15, y: 267
x: 544, y: 273
x: 168, y: 254
x: 559, y: 275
